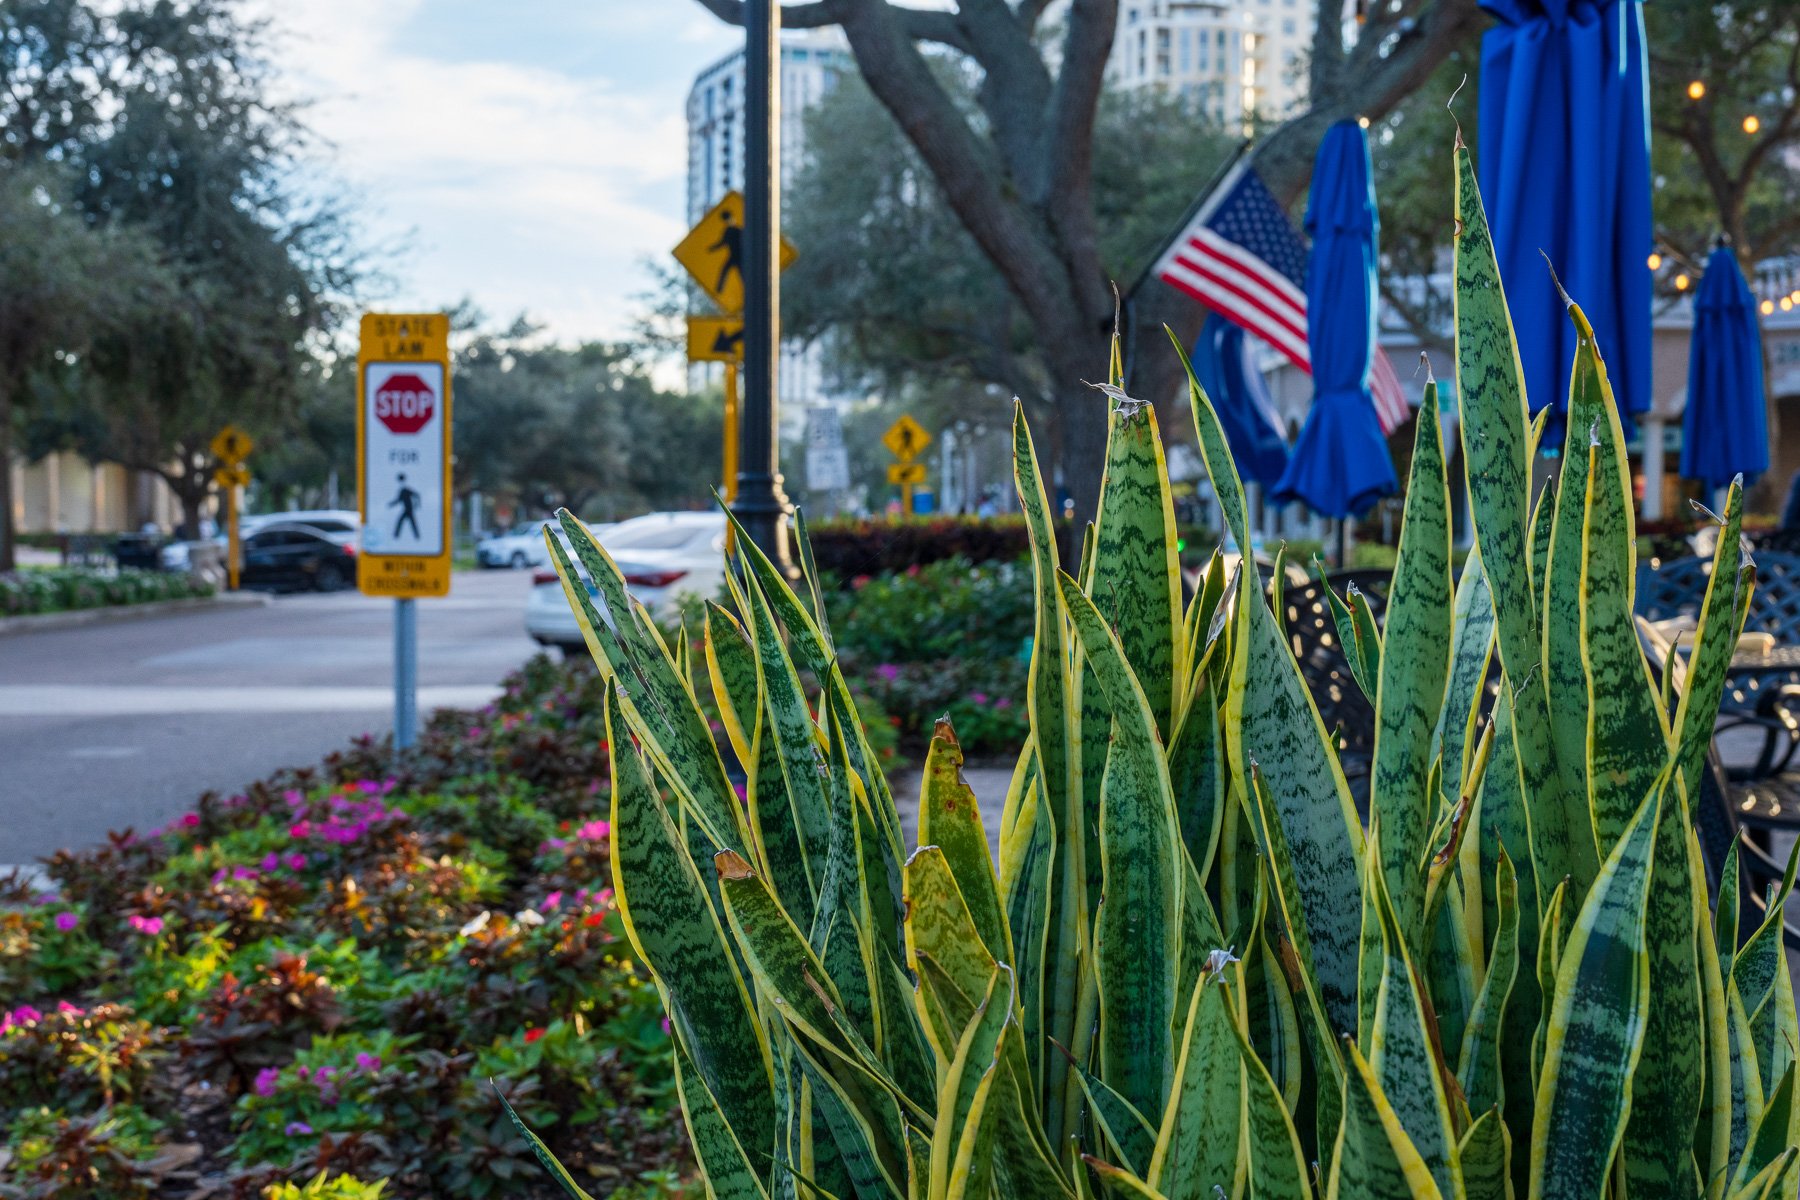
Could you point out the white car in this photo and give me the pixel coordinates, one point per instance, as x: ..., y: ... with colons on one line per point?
x: 664, y: 556
x: 325, y: 520
x: 519, y: 547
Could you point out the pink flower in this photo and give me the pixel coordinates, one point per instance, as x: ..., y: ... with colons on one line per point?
x: 190, y: 819
x: 1003, y: 702
x: 368, y: 1062
x: 665, y: 1024
x: 978, y: 697
x: 554, y: 899
x: 296, y: 862
x: 148, y: 926
x: 304, y: 1073
x: 604, y: 897
x: 66, y: 921
x: 265, y: 1081
x: 594, y: 830
x: 68, y: 1010
x: 300, y: 829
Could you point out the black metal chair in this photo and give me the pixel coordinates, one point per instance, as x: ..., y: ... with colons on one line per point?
x: 1313, y: 635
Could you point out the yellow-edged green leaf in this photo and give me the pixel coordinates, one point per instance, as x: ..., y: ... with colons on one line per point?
x: 1374, y: 1156
x: 1479, y: 1067
x: 1773, y: 1134
x: 950, y: 819
x: 1486, y: 1153
x: 729, y: 1172
x: 1197, y: 1147
x: 961, y: 1158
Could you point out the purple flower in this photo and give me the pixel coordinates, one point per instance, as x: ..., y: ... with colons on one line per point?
x: 1003, y: 702
x: 148, y: 926
x: 297, y: 1129
x: 66, y: 921
x: 265, y: 1081
x: 296, y: 862
x: 978, y: 697
x: 271, y: 861
x: 370, y: 1063
x: 888, y: 672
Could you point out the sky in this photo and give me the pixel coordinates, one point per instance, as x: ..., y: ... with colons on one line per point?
x: 528, y: 156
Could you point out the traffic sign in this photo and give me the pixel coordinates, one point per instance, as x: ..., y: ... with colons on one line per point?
x: 232, y: 445
x: 713, y: 253
x: 235, y: 475
x: 403, y: 448
x: 827, y: 461
x: 715, y: 339
x: 906, y: 474
x: 906, y: 439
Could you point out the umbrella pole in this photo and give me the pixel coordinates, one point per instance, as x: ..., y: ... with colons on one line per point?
x: 1343, y: 543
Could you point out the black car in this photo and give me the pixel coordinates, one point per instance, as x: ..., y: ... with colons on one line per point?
x: 299, y: 558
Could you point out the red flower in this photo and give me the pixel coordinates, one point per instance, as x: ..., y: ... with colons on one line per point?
x: 532, y: 1035
x: 593, y: 919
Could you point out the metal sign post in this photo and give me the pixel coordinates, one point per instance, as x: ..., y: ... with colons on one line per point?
x: 403, y: 481
x: 231, y: 446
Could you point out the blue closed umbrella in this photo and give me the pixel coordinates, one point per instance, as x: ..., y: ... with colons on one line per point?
x: 1241, y: 399
x: 1725, y: 430
x: 1565, y: 173
x: 1340, y: 464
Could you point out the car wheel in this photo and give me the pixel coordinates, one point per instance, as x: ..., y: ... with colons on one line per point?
x: 330, y: 578
x: 518, y: 562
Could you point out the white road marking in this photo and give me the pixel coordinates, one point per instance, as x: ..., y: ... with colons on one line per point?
x: 82, y: 700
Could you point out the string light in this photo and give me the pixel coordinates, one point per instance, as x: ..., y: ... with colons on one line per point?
x: 1656, y: 262
x: 1768, y: 306
x: 1681, y: 282
x: 1752, y: 123
x: 1363, y: 121
x: 1696, y: 90
x: 1787, y: 304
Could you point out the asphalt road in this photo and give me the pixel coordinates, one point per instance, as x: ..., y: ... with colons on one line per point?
x: 124, y: 724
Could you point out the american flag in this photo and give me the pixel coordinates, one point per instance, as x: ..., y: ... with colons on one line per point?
x: 1242, y: 257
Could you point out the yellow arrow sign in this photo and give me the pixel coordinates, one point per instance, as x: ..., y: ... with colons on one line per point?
x: 906, y: 439
x: 715, y: 339
x: 713, y: 253
x: 235, y: 475
x: 232, y: 445
x: 905, y: 473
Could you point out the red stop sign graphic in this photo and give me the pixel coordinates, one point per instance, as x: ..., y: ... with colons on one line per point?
x: 404, y: 403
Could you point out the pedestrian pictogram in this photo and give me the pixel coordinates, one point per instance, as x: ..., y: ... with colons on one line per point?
x: 713, y: 253
x: 232, y: 445
x: 715, y: 339
x: 906, y: 439
x: 403, y: 444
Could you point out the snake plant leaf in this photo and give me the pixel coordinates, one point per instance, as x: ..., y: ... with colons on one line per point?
x: 1356, y: 633
x: 1270, y: 1020
x: 1471, y: 653
x: 1197, y: 777
x: 941, y: 938
x: 1746, y: 1076
x: 1137, y: 951
x: 1759, y: 972
x: 1449, y: 968
x: 1118, y: 1182
x: 1138, y: 578
x: 1277, y: 1164
x: 1776, y: 1179
x: 1057, y: 744
x: 1127, y: 1134
x: 1201, y: 628
x: 1280, y: 860
x: 1028, y: 858
x: 1715, y: 639
x: 672, y: 926
x: 1725, y: 916
x: 1215, y: 453
x: 1407, y: 1067
x: 671, y: 725
x: 950, y: 819
x: 1197, y: 1146
x: 1478, y: 1067
x: 731, y: 666
x: 1712, y: 1134
x: 809, y: 571
x: 796, y: 739
x: 1273, y: 723
x: 1374, y: 1156
x: 1415, y: 667
x: 842, y: 929
x: 542, y: 1152
x: 1597, y: 1018
x: 869, y: 1152
x: 1496, y: 448
x: 1772, y: 1132
x: 1560, y: 526
x: 961, y: 1160
x: 1543, y: 529
x: 1485, y: 1152
x: 729, y: 1174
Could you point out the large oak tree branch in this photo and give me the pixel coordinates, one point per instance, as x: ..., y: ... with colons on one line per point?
x: 924, y: 25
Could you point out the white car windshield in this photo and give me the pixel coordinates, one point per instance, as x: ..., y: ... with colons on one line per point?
x: 654, y: 537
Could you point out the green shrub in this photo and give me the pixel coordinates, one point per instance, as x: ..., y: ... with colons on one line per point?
x: 61, y: 589
x: 1195, y: 972
x: 848, y: 549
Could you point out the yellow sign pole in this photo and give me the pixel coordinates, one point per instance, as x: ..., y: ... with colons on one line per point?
x: 731, y: 432
x: 234, y: 550
x: 906, y: 499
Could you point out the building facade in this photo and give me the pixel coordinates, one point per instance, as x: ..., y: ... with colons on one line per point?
x: 1235, y: 60
x: 64, y: 493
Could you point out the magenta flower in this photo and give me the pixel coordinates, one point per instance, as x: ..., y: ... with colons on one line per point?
x: 148, y: 926
x: 888, y: 672
x: 1003, y: 702
x: 66, y: 921
x: 266, y: 1080
x: 271, y: 861
x: 190, y: 819
x: 68, y: 1010
x: 368, y: 1062
x: 554, y: 899
x: 300, y: 829
x: 978, y: 697
x: 594, y: 830
x: 296, y: 862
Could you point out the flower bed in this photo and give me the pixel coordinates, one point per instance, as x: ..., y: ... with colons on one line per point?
x: 324, y: 974
x: 62, y: 589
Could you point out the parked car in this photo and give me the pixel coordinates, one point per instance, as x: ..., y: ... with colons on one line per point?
x: 325, y: 520
x: 519, y: 547
x: 290, y: 556
x: 663, y: 556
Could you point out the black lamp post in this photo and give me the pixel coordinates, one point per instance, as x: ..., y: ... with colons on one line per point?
x: 760, y: 504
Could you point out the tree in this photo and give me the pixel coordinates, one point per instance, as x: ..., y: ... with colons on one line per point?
x: 1019, y: 170
x: 61, y: 283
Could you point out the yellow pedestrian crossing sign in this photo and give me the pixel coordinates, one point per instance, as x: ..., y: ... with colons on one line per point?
x: 713, y: 253
x: 906, y: 439
x: 715, y: 339
x: 231, y: 445
x: 906, y: 473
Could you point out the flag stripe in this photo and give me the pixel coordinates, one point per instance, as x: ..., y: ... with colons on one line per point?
x: 1243, y: 306
x: 1253, y: 287
x: 1250, y: 263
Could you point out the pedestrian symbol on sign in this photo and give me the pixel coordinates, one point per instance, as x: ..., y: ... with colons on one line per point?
x: 407, y: 501
x: 731, y: 241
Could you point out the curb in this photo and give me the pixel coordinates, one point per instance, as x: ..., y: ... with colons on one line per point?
x: 45, y: 622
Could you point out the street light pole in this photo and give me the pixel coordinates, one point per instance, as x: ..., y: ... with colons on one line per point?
x: 760, y: 504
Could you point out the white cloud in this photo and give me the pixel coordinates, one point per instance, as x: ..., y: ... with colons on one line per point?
x: 521, y: 186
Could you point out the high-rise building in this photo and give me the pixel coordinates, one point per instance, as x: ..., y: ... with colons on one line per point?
x: 1233, y: 59
x: 812, y: 62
